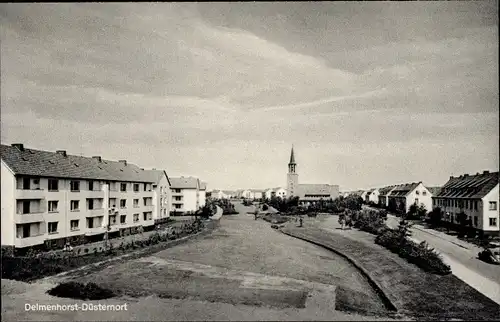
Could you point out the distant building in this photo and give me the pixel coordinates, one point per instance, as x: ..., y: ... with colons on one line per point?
x: 203, y: 194
x: 363, y: 194
x: 257, y: 194
x: 162, y: 198
x: 383, y: 199
x: 307, y: 193
x: 372, y: 195
x: 275, y: 192
x: 403, y: 196
x: 185, y: 194
x: 475, y: 195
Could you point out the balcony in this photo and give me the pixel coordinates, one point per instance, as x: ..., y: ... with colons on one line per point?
x: 176, y: 193
x: 30, y: 241
x: 29, y: 218
x: 95, y: 231
x: 95, y: 212
x: 30, y: 194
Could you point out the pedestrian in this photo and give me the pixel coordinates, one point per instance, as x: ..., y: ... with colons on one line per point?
x: 300, y: 222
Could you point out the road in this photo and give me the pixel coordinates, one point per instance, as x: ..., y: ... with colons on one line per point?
x: 244, y: 270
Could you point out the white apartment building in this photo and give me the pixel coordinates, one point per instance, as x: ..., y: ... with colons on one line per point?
x: 162, y: 194
x: 203, y: 194
x: 475, y: 195
x: 185, y: 194
x: 403, y: 196
x: 49, y: 198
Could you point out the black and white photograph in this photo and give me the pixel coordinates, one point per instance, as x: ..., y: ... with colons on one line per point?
x: 250, y: 161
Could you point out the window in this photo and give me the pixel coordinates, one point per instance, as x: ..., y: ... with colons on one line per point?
x: 148, y: 201
x: 123, y: 187
x: 75, y: 185
x: 74, y: 224
x: 53, y: 205
x: 90, y: 204
x: 475, y: 204
x: 417, y: 192
x: 493, y: 205
x: 177, y: 190
x: 26, y: 183
x: 493, y: 221
x: 136, y: 203
x: 90, y: 222
x: 424, y: 193
x: 26, y: 206
x: 123, y: 203
x: 148, y: 215
x: 177, y: 206
x: 75, y: 205
x: 112, y: 202
x: 178, y: 198
x: 475, y: 221
x: 136, y: 187
x: 123, y: 219
x: 112, y: 220
x: 91, y: 185
x: 53, y: 227
x: 416, y: 201
x: 136, y: 217
x: 53, y: 185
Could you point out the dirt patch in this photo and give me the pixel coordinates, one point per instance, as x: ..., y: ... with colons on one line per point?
x: 80, y: 291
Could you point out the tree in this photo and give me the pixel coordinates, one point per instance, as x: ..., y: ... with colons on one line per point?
x: 353, y: 202
x: 462, y: 221
x: 436, y: 216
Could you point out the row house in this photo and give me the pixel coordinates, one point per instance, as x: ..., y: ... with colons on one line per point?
x: 403, y: 196
x: 474, y: 195
x: 203, y: 194
x: 53, y: 197
x: 372, y: 195
x: 162, y: 193
x: 187, y: 196
x: 383, y: 196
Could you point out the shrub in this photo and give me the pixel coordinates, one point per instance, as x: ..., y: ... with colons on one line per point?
x: 265, y: 207
x: 369, y: 221
x: 80, y: 291
x: 86, y: 250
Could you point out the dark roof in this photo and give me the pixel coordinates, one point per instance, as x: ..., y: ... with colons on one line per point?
x: 184, y: 183
x: 32, y: 162
x: 385, y: 190
x: 155, y: 175
x: 404, y: 189
x: 469, y: 186
x: 434, y: 190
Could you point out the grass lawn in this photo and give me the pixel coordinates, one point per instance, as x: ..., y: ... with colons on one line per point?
x: 413, y: 291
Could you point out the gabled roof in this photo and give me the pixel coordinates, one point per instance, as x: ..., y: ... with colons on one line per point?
x: 184, y: 183
x: 385, y: 190
x: 404, y: 189
x: 469, y: 186
x: 155, y: 175
x: 32, y: 162
x: 434, y: 190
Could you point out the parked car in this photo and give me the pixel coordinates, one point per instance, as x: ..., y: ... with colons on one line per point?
x: 491, y: 254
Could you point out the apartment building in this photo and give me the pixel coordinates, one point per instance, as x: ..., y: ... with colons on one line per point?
x: 403, y: 196
x: 162, y: 194
x: 203, y: 194
x: 49, y: 198
x: 185, y: 195
x: 476, y: 196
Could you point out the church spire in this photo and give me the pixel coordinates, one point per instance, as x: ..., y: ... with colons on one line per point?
x: 292, y: 157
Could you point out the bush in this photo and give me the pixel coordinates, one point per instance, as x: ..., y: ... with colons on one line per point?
x: 265, y: 207
x: 368, y: 220
x: 80, y: 291
x: 419, y: 254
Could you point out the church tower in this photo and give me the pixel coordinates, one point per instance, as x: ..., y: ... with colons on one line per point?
x: 292, y: 178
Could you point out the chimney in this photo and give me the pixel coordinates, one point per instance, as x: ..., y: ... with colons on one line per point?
x: 98, y: 158
x: 123, y: 161
x: 486, y: 172
x: 466, y: 175
x: 19, y: 146
x: 154, y: 168
x: 451, y: 177
x: 62, y: 152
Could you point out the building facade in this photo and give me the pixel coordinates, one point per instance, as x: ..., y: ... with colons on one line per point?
x: 162, y: 197
x: 203, y: 194
x: 50, y: 198
x: 403, y: 196
x: 383, y: 196
x: 474, y: 195
x: 185, y: 195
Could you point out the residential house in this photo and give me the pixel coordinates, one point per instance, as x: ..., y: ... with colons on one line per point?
x: 383, y: 200
x: 246, y: 193
x: 230, y: 193
x: 185, y: 195
x: 268, y: 193
x: 372, y: 195
x: 50, y: 198
x: 280, y: 192
x: 476, y: 196
x: 162, y: 198
x: 257, y: 194
x: 363, y: 194
x: 220, y: 194
x: 403, y: 196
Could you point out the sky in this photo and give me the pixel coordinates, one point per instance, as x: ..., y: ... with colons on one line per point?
x: 369, y: 93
